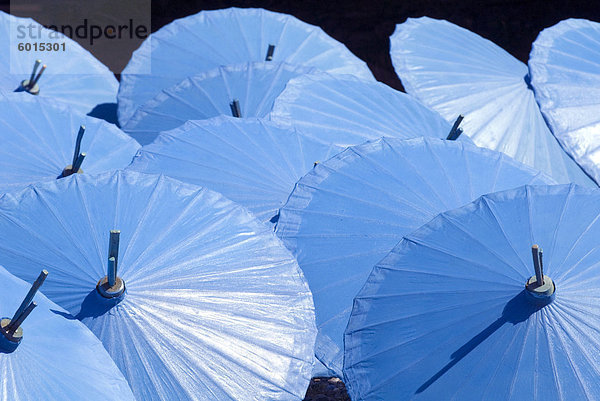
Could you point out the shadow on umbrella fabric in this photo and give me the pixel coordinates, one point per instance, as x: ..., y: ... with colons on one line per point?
x: 516, y: 311
x: 106, y: 112
x: 94, y: 305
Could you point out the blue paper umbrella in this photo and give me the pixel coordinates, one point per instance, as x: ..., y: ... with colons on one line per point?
x: 349, y: 212
x: 348, y: 111
x: 193, y: 298
x: 41, y: 140
x: 250, y: 161
x: 68, y: 73
x: 460, y: 309
x: 246, y: 90
x: 44, y: 356
x: 565, y: 76
x: 455, y: 71
x: 224, y: 37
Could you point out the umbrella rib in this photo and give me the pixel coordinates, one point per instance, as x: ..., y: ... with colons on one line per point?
x: 256, y: 162
x: 63, y: 225
x: 275, y: 79
x: 55, y: 135
x: 274, y: 162
x: 414, y: 169
x: 340, y: 171
x: 498, y: 222
x: 197, y: 84
x: 574, y: 369
x: 580, y: 236
x: 245, y: 40
x: 298, y: 50
x: 565, y: 206
x: 476, y: 240
x: 528, y: 327
x: 225, y: 356
x: 552, y: 361
x: 199, y: 195
x: 46, y: 148
x: 94, y: 231
x: 445, y: 173
x: 159, y: 183
x: 500, y: 360
x: 393, y: 211
x: 250, y: 181
x: 571, y: 280
x: 363, y: 117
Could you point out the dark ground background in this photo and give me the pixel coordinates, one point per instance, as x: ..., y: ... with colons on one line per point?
x: 364, y: 27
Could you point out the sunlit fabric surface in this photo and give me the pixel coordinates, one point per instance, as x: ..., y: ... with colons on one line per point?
x: 347, y: 111
x: 210, y: 39
x: 37, y: 141
x: 454, y: 71
x: 57, y: 359
x: 445, y: 315
x: 73, y: 76
x: 350, y: 211
x: 215, y: 307
x: 565, y: 75
x: 206, y: 95
x: 250, y: 161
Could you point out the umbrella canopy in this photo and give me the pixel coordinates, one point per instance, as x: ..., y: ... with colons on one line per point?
x: 349, y: 212
x: 253, y: 162
x: 566, y: 80
x: 73, y: 76
x: 447, y: 314
x: 224, y: 37
x: 198, y: 302
x: 347, y: 111
x: 246, y: 90
x: 455, y: 71
x: 49, y: 357
x: 41, y: 138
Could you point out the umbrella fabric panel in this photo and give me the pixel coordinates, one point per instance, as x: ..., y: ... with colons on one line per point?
x: 225, y: 37
x: 564, y: 64
x: 74, y: 77
x: 349, y: 212
x: 206, y: 95
x: 347, y: 111
x: 38, y: 141
x: 455, y: 71
x: 253, y: 162
x: 215, y: 306
x: 445, y: 314
x: 58, y: 358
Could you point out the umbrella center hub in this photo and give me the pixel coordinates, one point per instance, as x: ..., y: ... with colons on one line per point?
x: 27, y: 86
x: 541, y: 292
x: 111, y: 291
x: 69, y: 171
x: 9, y: 339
